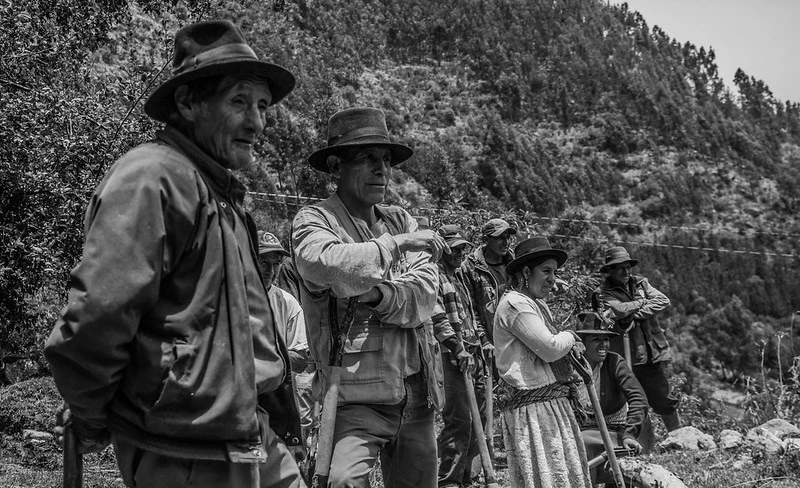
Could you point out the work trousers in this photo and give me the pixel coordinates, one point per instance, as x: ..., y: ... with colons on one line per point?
x: 402, y: 435
x: 458, y: 446
x: 654, y: 381
x: 145, y: 469
x: 305, y: 404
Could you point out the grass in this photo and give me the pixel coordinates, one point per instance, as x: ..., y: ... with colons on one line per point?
x: 31, y: 405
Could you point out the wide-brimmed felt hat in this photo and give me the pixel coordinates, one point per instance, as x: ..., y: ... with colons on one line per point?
x: 453, y: 236
x: 358, y: 127
x: 212, y: 48
x: 592, y: 322
x: 617, y: 255
x: 267, y: 242
x: 533, y: 248
x: 496, y: 227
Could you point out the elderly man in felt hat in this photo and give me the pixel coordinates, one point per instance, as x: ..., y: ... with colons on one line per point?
x: 485, y: 275
x: 271, y: 256
x: 454, y: 325
x: 634, y: 304
x: 369, y: 273
x: 168, y: 345
x: 622, y: 399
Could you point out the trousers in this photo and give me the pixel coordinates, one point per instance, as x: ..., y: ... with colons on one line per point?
x: 145, y: 469
x: 458, y: 447
x: 401, y: 435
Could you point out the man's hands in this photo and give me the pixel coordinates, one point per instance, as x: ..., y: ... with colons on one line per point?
x: 423, y: 240
x: 90, y: 439
x: 372, y: 297
x: 465, y: 361
x: 632, y: 445
x: 488, y: 350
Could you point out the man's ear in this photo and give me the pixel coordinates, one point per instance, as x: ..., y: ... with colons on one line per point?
x: 183, y: 102
x: 334, y: 165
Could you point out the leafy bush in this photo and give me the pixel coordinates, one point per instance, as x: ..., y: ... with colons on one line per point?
x: 30, y: 404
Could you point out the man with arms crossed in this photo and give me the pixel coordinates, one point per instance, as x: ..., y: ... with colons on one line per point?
x: 365, y: 260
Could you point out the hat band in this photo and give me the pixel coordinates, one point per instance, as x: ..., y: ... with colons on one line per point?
x: 221, y: 52
x: 358, y: 133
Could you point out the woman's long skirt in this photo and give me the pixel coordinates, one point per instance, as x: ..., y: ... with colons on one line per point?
x: 544, y: 447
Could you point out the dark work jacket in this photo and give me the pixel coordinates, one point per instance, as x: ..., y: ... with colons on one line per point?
x: 485, y: 292
x: 156, y: 342
x: 618, y: 385
x: 637, y: 304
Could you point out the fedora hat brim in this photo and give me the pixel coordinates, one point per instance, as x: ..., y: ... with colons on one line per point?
x: 517, y: 263
x: 280, y: 80
x: 607, y: 267
x: 319, y: 158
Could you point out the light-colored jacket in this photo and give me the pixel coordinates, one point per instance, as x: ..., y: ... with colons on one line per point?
x: 339, y: 256
x: 524, y: 345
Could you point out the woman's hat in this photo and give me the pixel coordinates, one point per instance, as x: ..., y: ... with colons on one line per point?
x: 531, y: 249
x: 211, y: 48
x: 358, y: 127
x: 593, y: 323
x: 617, y: 255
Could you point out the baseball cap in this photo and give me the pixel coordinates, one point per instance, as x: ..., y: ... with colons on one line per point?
x: 267, y: 242
x: 453, y: 236
x: 496, y: 227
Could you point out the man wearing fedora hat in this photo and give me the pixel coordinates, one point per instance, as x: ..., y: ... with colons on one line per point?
x: 635, y: 303
x: 622, y: 399
x: 367, y: 269
x: 168, y: 344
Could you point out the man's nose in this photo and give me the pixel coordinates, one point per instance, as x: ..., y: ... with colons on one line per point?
x: 255, y: 119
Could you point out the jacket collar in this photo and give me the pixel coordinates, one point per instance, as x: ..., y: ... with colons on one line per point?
x: 478, y: 258
x: 217, y: 175
x: 610, y: 284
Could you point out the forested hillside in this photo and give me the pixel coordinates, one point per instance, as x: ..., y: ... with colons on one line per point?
x: 574, y: 117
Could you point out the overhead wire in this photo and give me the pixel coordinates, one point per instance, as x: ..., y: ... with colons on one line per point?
x: 284, y: 199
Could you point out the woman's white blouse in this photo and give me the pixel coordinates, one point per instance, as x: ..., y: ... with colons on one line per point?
x: 524, y: 345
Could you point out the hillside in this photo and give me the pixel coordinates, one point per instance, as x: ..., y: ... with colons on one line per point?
x: 573, y: 117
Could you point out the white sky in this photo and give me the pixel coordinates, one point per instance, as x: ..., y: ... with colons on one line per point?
x: 760, y: 36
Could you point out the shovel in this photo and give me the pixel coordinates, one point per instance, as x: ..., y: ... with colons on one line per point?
x: 73, y: 459
x: 583, y: 368
x: 489, y: 402
x: 477, y: 429
x: 330, y: 402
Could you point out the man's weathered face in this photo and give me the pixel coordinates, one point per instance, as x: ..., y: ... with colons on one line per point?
x: 456, y: 256
x: 270, y: 264
x: 620, y: 273
x: 227, y: 124
x: 364, y: 175
x: 499, y: 245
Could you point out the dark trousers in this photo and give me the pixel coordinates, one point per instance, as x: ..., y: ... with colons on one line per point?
x: 655, y: 384
x: 145, y: 469
x: 457, y: 443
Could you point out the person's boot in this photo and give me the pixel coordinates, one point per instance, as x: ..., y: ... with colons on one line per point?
x: 671, y: 421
